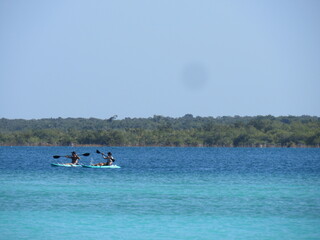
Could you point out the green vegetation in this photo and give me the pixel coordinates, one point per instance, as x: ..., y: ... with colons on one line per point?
x: 259, y: 131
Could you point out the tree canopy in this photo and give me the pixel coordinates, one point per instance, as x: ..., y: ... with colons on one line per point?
x: 258, y: 131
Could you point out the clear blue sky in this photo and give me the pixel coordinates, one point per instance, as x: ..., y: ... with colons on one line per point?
x: 73, y: 58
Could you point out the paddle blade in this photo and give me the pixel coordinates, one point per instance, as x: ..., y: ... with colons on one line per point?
x: 86, y: 154
x: 98, y: 151
x: 56, y: 156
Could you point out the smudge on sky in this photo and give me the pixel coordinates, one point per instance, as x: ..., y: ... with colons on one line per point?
x: 195, y: 76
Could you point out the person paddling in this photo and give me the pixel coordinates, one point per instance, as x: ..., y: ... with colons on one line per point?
x: 74, y: 158
x: 109, y: 159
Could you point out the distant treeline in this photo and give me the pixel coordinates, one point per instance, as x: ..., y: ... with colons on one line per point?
x: 259, y: 131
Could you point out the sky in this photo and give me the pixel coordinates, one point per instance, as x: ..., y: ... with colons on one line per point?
x: 100, y: 58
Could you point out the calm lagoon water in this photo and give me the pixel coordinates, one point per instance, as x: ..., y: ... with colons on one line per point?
x: 161, y: 193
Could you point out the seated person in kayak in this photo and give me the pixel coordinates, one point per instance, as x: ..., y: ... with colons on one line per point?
x: 109, y: 159
x: 74, y: 159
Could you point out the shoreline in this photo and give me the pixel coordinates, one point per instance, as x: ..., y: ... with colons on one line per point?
x: 164, y: 146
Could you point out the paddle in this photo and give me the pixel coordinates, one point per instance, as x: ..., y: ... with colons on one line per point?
x: 100, y: 152
x: 84, y: 154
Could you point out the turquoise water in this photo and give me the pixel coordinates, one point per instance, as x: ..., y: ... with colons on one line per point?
x: 161, y: 193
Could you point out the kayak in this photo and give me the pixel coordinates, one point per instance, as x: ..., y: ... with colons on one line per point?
x: 65, y: 165
x: 92, y: 166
